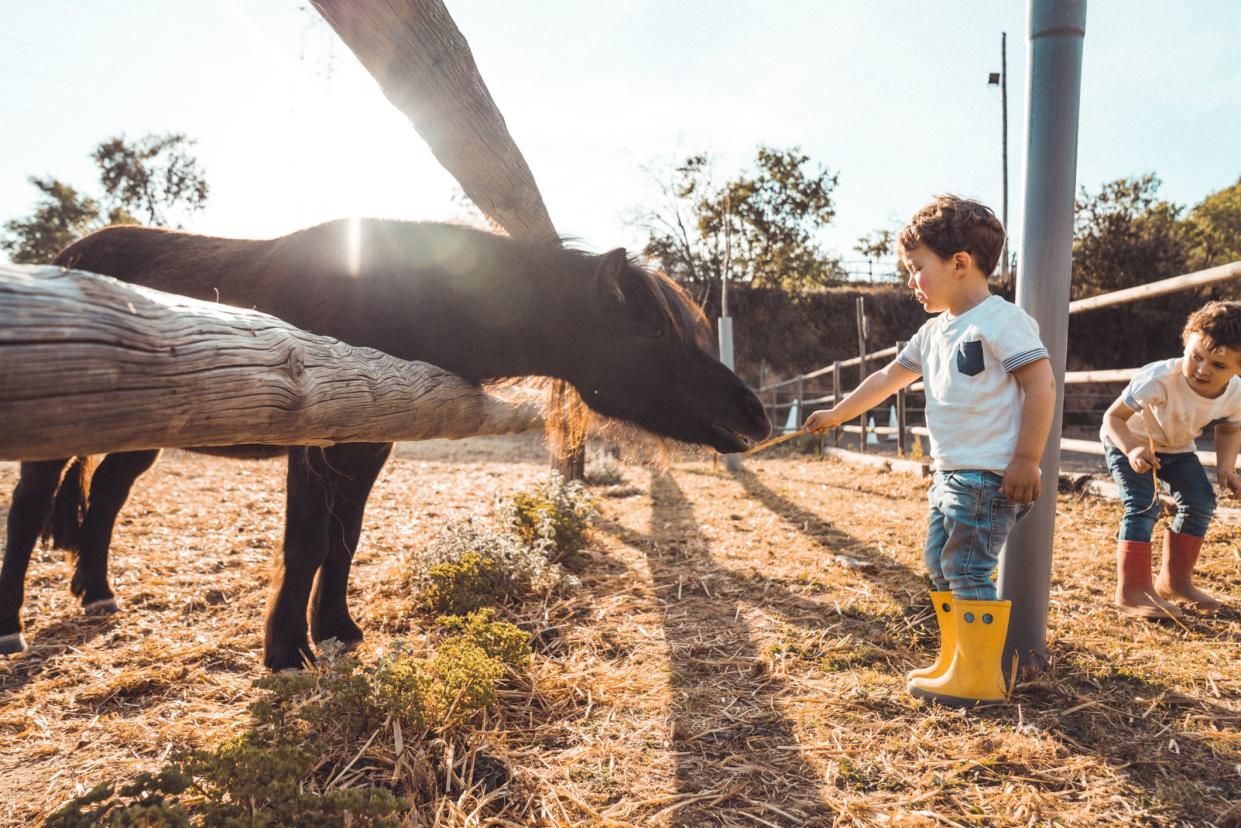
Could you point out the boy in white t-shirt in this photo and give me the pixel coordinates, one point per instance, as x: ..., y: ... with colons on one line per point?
x: 990, y: 398
x: 1152, y: 426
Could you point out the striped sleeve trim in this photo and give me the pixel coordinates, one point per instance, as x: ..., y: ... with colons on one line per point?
x: 1024, y: 358
x: 906, y: 362
x: 1128, y: 399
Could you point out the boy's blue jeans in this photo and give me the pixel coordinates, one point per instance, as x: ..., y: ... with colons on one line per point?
x: 1195, y: 498
x: 968, y: 524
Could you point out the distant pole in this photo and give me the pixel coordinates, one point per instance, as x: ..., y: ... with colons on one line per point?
x: 1001, y: 78
x: 861, y: 353
x: 732, y: 462
x: 1004, y: 141
x: 1057, y: 30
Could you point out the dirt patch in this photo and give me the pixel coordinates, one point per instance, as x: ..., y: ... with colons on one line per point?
x: 735, y: 654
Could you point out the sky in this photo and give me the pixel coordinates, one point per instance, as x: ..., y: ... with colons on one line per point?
x: 891, y: 96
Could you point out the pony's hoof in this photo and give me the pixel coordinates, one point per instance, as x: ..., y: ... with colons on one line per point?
x: 104, y: 606
x: 12, y: 643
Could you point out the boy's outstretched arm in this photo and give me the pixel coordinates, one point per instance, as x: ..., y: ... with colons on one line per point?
x: 873, y: 390
x: 1227, y: 442
x: 1038, y: 407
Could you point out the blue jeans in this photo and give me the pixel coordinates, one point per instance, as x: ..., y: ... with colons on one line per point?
x: 1195, y: 498
x: 968, y: 524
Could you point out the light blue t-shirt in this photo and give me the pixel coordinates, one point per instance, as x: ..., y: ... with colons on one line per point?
x: 973, y: 401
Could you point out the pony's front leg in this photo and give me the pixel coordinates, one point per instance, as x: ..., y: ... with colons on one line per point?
x: 308, y: 506
x: 109, y: 489
x: 29, y: 511
x: 356, y: 466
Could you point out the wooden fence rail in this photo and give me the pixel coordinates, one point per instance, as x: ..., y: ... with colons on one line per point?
x: 800, y: 403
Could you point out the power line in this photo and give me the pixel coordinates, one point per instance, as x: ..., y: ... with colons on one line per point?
x: 89, y: 87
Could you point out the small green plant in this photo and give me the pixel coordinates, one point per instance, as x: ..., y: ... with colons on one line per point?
x: 602, y: 470
x: 463, y: 585
x: 471, y: 565
x: 553, y: 516
x: 498, y: 639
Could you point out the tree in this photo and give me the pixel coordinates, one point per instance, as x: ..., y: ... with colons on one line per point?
x: 881, y: 245
x: 1214, y: 228
x: 763, y: 224
x: 1124, y: 236
x: 154, y: 177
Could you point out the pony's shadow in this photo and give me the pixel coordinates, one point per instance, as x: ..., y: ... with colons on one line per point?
x: 724, y: 703
x: 903, y: 585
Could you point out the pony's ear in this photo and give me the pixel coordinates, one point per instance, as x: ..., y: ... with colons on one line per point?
x: 613, y: 269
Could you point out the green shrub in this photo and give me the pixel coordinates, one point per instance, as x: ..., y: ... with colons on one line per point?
x: 603, y: 471
x: 553, y: 516
x: 464, y: 585
x: 307, y: 727
x: 498, y: 639
x: 471, y: 564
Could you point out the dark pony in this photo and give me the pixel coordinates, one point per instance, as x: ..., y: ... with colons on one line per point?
x: 629, y: 342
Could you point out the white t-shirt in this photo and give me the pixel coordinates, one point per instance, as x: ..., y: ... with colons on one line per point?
x: 1171, y: 412
x: 973, y: 402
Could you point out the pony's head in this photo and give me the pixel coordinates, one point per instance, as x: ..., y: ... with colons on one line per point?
x: 645, y: 357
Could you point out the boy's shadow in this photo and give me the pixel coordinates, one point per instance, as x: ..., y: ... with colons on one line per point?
x: 1130, y: 722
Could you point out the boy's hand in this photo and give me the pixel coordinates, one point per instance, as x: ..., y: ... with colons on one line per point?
x: 1021, y: 482
x: 821, y: 421
x: 1142, y: 459
x: 1230, y: 484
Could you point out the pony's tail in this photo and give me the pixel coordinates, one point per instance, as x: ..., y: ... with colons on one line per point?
x: 64, y: 527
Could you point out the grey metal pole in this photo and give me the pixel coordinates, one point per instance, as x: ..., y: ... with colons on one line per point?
x: 861, y: 368
x: 732, y: 462
x: 1057, y: 30
x: 836, y: 396
x: 902, y: 435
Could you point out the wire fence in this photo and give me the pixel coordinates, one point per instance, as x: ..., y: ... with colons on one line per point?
x: 823, y: 386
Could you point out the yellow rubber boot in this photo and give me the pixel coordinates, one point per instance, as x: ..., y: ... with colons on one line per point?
x: 942, y: 601
x: 975, y: 677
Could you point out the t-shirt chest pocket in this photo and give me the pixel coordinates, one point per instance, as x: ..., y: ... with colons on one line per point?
x: 969, y: 357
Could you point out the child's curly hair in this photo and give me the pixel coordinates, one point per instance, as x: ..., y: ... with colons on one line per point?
x: 950, y: 224
x: 1219, y: 324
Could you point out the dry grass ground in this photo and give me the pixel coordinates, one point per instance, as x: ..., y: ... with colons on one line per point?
x: 735, y: 654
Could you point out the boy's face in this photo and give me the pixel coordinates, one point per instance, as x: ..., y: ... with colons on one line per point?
x: 933, y: 280
x: 1208, y: 370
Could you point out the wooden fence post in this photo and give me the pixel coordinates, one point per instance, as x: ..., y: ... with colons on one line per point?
x: 861, y: 349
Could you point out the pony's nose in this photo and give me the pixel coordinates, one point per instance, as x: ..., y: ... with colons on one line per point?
x: 753, y: 408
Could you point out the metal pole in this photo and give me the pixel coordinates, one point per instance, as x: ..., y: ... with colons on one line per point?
x: 1057, y: 30
x: 732, y: 462
x: 861, y: 368
x: 1004, y: 144
x: 902, y: 436
x: 801, y: 408
x: 836, y: 399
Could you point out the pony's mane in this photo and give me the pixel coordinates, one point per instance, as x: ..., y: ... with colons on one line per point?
x: 675, y: 307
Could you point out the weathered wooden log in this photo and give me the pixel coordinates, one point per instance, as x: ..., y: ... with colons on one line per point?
x: 423, y: 64
x: 89, y: 364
